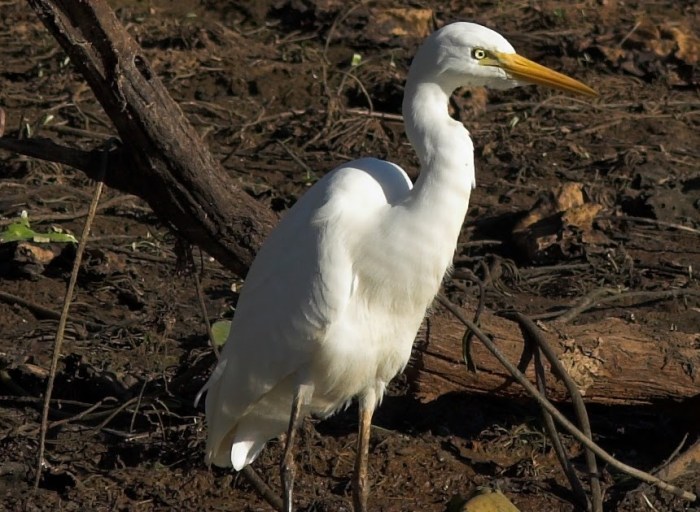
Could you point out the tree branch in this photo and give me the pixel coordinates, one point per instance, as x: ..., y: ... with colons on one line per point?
x: 162, y: 159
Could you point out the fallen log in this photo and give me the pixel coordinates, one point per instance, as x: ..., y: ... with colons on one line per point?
x: 612, y: 361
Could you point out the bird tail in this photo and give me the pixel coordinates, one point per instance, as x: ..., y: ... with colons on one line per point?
x: 237, y: 432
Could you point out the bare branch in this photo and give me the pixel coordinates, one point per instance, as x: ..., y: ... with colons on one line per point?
x: 162, y: 159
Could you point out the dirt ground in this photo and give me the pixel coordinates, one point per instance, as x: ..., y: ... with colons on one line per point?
x: 282, y: 91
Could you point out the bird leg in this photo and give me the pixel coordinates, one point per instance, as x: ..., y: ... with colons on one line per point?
x: 302, y: 396
x: 360, y: 488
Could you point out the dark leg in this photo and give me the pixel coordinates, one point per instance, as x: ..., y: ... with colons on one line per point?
x: 360, y: 489
x: 302, y: 396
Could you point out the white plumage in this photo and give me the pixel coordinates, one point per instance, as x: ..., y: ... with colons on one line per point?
x: 336, y: 294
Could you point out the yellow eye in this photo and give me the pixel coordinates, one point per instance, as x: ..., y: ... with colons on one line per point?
x: 479, y: 53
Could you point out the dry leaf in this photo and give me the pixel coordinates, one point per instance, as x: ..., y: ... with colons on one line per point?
x: 489, y: 501
x: 402, y: 22
x: 559, y: 225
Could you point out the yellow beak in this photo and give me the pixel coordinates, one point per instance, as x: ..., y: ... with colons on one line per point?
x: 524, y: 70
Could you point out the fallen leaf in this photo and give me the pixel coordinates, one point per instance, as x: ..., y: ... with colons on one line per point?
x: 489, y: 500
x: 559, y: 225
x: 401, y: 22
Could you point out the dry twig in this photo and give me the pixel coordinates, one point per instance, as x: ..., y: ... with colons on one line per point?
x: 38, y: 310
x: 653, y: 222
x: 533, y: 334
x: 551, y: 428
x: 53, y: 217
x: 262, y: 488
x: 58, y: 341
x: 602, y: 296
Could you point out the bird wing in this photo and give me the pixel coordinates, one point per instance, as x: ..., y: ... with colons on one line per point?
x: 298, y: 285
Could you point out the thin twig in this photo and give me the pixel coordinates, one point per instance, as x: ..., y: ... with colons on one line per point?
x: 653, y: 222
x: 37, y: 309
x: 114, y: 413
x: 69, y: 130
x: 27, y: 399
x: 361, y: 112
x: 534, y: 335
x: 138, y: 405
x: 79, y: 416
x: 42, y: 311
x: 551, y: 429
x: 296, y: 158
x: 573, y: 430
x: 362, y: 87
x: 602, y: 296
x: 627, y: 36
x: 262, y: 488
x: 531, y: 272
x: 58, y: 341
x: 130, y: 437
x: 469, y: 335
x: 203, y: 306
x: 54, y: 217
x: 673, y: 455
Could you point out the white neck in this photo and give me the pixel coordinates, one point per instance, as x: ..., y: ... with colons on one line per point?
x: 411, y: 245
x: 441, y: 193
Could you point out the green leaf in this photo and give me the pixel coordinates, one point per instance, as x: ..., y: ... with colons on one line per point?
x: 16, y: 232
x: 20, y: 231
x: 219, y: 332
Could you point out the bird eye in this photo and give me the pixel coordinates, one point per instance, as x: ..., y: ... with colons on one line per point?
x: 479, y: 53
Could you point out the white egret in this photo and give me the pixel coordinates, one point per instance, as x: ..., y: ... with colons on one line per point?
x: 334, y: 298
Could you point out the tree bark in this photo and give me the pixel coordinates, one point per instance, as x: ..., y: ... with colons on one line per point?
x: 612, y: 361
x: 161, y: 158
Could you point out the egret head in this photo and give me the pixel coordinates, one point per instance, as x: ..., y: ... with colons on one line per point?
x: 467, y: 54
